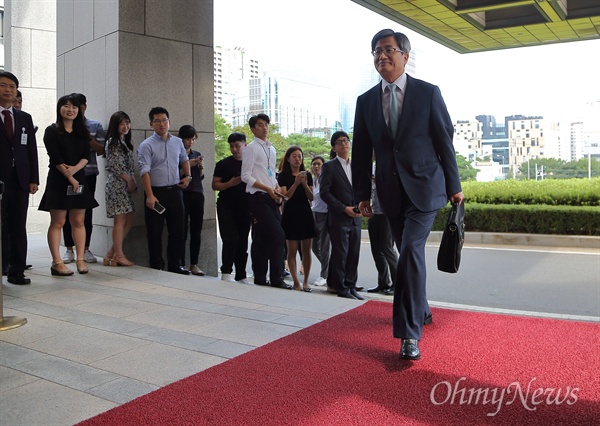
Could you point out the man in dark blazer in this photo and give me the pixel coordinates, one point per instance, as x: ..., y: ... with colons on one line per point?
x: 409, y: 129
x: 20, y: 174
x: 343, y: 221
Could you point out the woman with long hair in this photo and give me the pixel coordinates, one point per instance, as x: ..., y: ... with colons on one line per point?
x: 297, y: 219
x: 67, y: 143
x: 120, y: 185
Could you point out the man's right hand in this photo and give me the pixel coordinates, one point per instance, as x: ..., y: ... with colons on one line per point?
x: 349, y: 210
x: 150, y: 201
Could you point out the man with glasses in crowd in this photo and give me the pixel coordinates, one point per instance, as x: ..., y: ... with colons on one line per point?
x: 404, y: 121
x: 344, y: 220
x: 160, y: 158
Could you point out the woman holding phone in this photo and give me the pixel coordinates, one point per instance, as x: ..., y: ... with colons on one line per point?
x: 67, y: 143
x: 193, y: 200
x: 120, y: 185
x: 297, y: 219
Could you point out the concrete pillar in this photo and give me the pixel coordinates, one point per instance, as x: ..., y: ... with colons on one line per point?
x: 129, y: 55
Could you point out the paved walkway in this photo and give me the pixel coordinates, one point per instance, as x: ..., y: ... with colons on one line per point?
x: 95, y: 341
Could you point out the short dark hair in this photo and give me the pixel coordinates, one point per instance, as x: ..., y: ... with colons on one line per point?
x: 236, y: 137
x: 19, y: 94
x: 186, y: 131
x: 157, y: 110
x: 81, y: 97
x: 401, y: 39
x: 10, y: 76
x: 338, y: 135
x: 255, y: 118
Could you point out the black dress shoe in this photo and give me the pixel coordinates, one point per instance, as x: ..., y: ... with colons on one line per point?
x: 359, y: 288
x: 18, y: 279
x: 354, y: 293
x: 180, y: 270
x: 410, y: 349
x: 28, y: 267
x: 265, y: 283
x: 282, y: 284
x: 428, y: 319
x: 331, y: 290
x: 375, y: 289
x: 347, y: 295
x: 388, y: 291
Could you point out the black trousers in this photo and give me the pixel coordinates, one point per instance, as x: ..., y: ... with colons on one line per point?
x: 345, y: 253
x: 268, y: 238
x: 321, y: 244
x: 15, y: 202
x: 382, y: 249
x: 171, y: 198
x: 90, y: 181
x: 193, y: 202
x: 234, y: 226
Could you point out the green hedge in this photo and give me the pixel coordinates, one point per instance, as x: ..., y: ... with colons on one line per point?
x: 554, y: 192
x: 529, y: 219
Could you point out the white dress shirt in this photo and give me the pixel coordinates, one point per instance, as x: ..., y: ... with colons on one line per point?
x: 258, y: 164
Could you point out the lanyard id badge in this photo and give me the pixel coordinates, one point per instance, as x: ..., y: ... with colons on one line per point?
x: 23, y: 137
x: 269, y: 171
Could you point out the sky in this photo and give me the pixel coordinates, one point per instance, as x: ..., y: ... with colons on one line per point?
x: 332, y: 37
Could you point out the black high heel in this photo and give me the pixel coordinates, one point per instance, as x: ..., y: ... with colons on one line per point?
x: 56, y: 272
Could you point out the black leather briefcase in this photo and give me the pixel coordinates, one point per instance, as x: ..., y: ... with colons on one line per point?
x: 453, y: 238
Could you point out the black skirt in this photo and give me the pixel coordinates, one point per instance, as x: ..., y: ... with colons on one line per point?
x: 55, y: 195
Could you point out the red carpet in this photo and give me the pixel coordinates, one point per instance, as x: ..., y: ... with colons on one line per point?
x: 476, y: 369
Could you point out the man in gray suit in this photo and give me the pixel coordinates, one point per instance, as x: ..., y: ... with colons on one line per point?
x: 343, y: 219
x: 406, y: 123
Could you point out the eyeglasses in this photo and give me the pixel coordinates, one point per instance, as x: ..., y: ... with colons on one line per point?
x: 163, y: 121
x: 388, y: 51
x: 341, y: 141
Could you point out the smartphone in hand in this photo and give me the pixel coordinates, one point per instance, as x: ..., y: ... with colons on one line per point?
x: 159, y: 208
x: 71, y: 192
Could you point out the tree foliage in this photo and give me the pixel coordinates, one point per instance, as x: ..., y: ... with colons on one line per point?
x: 466, y: 171
x: 558, y: 169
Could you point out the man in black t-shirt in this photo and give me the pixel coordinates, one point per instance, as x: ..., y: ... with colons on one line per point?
x: 232, y: 210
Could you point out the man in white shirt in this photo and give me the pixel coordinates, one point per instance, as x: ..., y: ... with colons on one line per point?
x: 264, y: 199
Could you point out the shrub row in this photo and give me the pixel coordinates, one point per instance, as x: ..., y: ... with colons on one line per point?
x: 529, y: 219
x: 554, y: 192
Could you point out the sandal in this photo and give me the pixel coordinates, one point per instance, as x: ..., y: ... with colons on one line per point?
x: 83, y: 270
x: 120, y: 261
x: 307, y: 289
x: 63, y: 273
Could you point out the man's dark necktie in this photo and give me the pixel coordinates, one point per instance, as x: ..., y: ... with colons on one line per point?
x: 393, y: 111
x: 8, y: 124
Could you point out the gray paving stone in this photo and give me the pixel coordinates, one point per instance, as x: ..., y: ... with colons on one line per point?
x: 122, y: 390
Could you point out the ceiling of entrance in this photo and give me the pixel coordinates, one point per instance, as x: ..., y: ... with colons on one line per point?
x: 468, y: 26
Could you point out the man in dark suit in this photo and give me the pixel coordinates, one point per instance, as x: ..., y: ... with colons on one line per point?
x: 406, y: 123
x: 20, y: 174
x: 343, y: 220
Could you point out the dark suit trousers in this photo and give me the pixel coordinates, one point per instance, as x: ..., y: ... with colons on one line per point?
x: 321, y: 244
x: 410, y: 228
x: 345, y: 252
x: 15, y: 202
x: 382, y: 249
x: 90, y: 181
x: 234, y: 227
x: 268, y: 238
x: 194, y: 216
x: 172, y: 199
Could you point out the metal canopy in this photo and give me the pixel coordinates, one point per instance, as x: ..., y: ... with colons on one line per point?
x: 468, y: 26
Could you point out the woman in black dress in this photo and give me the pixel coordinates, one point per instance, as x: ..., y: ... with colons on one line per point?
x: 67, y: 144
x: 297, y: 219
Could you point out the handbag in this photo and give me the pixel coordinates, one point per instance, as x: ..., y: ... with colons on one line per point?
x: 453, y: 238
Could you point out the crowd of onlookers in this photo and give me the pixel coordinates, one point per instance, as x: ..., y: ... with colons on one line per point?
x: 281, y: 202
